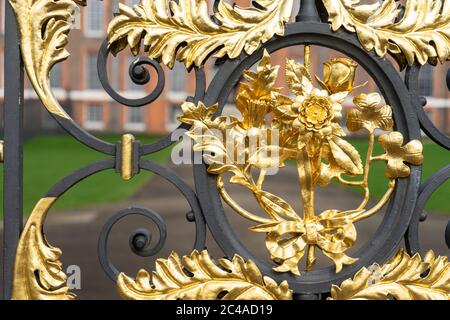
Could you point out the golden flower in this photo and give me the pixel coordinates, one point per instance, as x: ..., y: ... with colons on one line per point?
x: 317, y: 112
x: 396, y: 154
x: 369, y: 114
x: 339, y: 75
x: 257, y: 97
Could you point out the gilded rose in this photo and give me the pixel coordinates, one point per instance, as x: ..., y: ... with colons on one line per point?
x: 338, y: 75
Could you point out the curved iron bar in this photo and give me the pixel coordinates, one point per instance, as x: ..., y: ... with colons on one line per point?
x: 425, y: 192
x: 196, y: 213
x: 395, y: 223
x: 138, y: 74
x: 412, y: 82
x: 75, y: 177
x: 139, y: 240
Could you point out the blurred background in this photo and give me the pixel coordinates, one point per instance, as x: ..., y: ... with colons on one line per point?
x: 50, y: 154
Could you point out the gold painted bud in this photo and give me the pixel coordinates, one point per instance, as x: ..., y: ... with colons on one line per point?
x: 339, y: 75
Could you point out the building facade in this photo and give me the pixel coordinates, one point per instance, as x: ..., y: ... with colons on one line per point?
x: 76, y: 85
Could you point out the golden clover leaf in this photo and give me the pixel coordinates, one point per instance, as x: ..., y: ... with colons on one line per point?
x: 396, y: 154
x: 369, y: 114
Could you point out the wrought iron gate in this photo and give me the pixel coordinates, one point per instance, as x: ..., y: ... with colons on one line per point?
x: 304, y: 127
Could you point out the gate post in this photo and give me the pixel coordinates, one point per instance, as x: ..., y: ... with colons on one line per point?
x: 13, y: 148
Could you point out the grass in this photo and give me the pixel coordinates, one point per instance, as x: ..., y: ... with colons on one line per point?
x: 435, y: 158
x: 48, y: 159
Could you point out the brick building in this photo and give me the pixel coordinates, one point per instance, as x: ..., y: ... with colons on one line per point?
x: 76, y: 85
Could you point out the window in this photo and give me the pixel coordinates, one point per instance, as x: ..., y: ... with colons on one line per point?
x: 56, y: 76
x: 94, y: 18
x: 94, y: 117
x: 178, y: 78
x: 135, y: 119
x: 426, y: 81
x: 174, y: 112
x: 92, y: 81
x: 135, y: 115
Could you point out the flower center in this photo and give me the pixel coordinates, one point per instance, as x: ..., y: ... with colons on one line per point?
x: 316, y: 113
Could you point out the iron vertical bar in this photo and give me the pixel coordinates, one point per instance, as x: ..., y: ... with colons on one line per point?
x: 13, y: 149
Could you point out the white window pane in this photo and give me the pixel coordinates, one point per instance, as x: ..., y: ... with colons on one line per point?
x: 178, y: 78
x: 94, y: 17
x: 94, y: 113
x: 92, y: 80
x: 135, y: 115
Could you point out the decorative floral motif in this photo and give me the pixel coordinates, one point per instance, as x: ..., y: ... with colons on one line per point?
x: 396, y: 155
x: 309, y: 131
x: 369, y: 114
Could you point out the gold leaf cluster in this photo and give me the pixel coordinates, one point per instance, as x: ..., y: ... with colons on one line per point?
x: 198, y: 277
x: 402, y: 278
x: 420, y: 33
x: 183, y: 30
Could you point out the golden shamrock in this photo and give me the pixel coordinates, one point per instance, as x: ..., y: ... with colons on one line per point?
x: 396, y: 154
x: 369, y: 114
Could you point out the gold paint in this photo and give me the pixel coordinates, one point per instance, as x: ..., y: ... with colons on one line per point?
x: 44, y: 27
x: 403, y: 278
x: 310, y: 133
x: 421, y: 34
x: 204, y: 280
x: 187, y: 33
x: 38, y: 273
x: 126, y: 166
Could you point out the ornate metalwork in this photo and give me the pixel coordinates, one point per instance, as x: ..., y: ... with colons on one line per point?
x: 310, y: 133
x: 198, y: 277
x: 126, y: 157
x: 188, y: 34
x: 420, y: 33
x: 402, y: 278
x: 38, y: 273
x: 307, y: 125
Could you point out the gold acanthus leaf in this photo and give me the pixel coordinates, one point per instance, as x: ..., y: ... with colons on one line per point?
x: 197, y: 277
x: 186, y: 32
x: 403, y: 278
x: 38, y: 273
x: 44, y: 26
x: 421, y: 33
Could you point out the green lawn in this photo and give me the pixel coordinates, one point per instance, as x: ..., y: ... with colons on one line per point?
x: 47, y: 159
x: 435, y: 158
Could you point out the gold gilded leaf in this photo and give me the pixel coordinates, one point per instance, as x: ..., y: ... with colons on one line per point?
x: 421, y: 33
x: 38, y: 273
x: 295, y: 72
x: 403, y: 278
x: 197, y: 277
x: 346, y: 156
x: 275, y: 206
x: 396, y: 154
x: 44, y: 26
x: 369, y: 114
x: 187, y: 33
